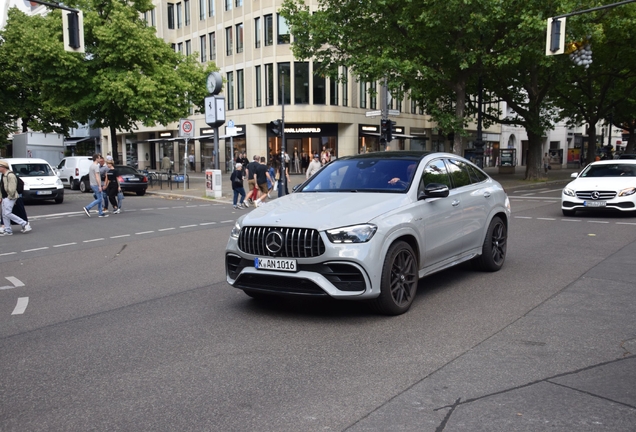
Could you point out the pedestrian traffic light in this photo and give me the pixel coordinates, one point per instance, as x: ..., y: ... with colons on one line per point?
x: 385, y: 125
x: 276, y: 127
x: 73, y: 30
x: 390, y: 130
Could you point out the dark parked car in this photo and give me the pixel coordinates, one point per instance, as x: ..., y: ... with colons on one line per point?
x: 129, y: 178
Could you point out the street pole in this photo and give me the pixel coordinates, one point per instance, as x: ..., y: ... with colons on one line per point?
x: 282, y: 186
x: 185, y: 163
x: 384, y: 108
x: 216, y: 147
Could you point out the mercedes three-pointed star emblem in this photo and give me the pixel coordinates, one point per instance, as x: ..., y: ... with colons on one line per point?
x: 274, y: 242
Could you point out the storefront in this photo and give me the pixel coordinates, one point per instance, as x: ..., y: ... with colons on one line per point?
x: 303, y: 140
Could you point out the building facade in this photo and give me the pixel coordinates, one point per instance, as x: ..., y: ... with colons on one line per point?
x: 250, y: 43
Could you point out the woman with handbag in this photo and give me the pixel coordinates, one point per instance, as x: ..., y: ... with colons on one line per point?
x: 237, y: 186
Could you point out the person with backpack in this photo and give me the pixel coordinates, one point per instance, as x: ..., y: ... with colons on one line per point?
x: 10, y: 187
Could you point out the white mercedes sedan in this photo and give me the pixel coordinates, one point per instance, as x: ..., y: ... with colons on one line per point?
x: 603, y: 185
x: 368, y: 227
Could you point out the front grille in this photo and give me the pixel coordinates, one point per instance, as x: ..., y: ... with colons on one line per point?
x: 278, y: 284
x: 602, y: 195
x: 297, y: 242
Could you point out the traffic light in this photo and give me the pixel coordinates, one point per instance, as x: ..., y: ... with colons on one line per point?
x: 555, y: 39
x: 390, y: 130
x: 384, y: 128
x: 276, y: 127
x: 73, y: 30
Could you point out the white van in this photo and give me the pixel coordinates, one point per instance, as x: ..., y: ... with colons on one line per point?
x: 71, y: 169
x: 40, y: 181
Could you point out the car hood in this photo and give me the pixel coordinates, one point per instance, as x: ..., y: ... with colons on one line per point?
x: 602, y: 183
x: 323, y: 211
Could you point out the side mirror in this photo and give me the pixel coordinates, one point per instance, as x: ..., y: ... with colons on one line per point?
x: 433, y: 190
x: 574, y: 175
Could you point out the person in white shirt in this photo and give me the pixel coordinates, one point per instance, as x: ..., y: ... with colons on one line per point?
x: 314, y: 166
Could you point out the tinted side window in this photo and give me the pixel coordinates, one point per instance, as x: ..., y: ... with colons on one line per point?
x: 480, y: 175
x: 435, y: 172
x: 459, y: 173
x: 61, y: 165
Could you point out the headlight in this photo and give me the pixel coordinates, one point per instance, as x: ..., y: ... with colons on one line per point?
x: 59, y: 183
x: 352, y: 234
x: 627, y: 192
x: 236, y: 230
x: 569, y: 192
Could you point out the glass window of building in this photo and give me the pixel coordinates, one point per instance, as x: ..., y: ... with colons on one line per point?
x: 373, y: 95
x: 229, y: 91
x: 240, y: 89
x: 188, y: 47
x: 258, y: 86
x: 269, y: 84
x: 180, y: 47
x: 345, y: 86
x: 283, y: 83
x: 283, y: 30
x: 202, y: 7
x: 153, y: 17
x: 363, y: 94
x: 204, y: 49
x: 238, y: 3
x: 228, y: 5
x: 171, y: 15
x: 211, y: 8
x: 301, y: 83
x: 186, y: 11
x: 333, y: 91
x: 269, y: 30
x: 228, y: 41
x: 239, y: 38
x: 212, y: 40
x: 320, y: 86
x: 179, y: 16
x: 257, y: 32
x: 174, y: 47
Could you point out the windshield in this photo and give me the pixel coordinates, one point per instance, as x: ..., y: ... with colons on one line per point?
x: 33, y: 170
x: 363, y: 175
x: 125, y: 170
x: 610, y: 170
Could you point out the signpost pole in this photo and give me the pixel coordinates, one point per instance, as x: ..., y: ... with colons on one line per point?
x: 185, y: 164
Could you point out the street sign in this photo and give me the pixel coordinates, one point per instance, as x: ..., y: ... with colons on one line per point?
x: 186, y: 128
x: 373, y: 113
x: 231, y: 131
x: 394, y: 113
x: 230, y: 123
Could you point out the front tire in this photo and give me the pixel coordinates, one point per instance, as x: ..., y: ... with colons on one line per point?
x: 495, y: 245
x: 399, y: 280
x: 74, y: 183
x: 59, y: 200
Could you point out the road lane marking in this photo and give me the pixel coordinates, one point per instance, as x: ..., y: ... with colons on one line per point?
x: 523, y: 217
x: 120, y: 236
x: 191, y: 206
x: 207, y: 223
x: 187, y: 226
x: 55, y: 217
x: 93, y: 240
x: 36, y: 249
x: 163, y: 208
x: 165, y: 229
x: 20, y: 306
x: 204, y: 205
x: 549, y: 219
x: 65, y: 244
x: 15, y: 281
x: 8, y: 253
x: 146, y: 209
x: 605, y: 222
x: 571, y: 220
x: 144, y: 232
x: 625, y: 223
x: 177, y: 207
x: 227, y: 221
x: 531, y: 198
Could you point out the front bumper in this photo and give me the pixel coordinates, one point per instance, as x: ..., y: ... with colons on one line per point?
x: 42, y: 194
x: 623, y: 205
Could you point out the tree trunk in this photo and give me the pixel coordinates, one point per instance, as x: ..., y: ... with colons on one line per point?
x: 631, y: 141
x: 460, y: 110
x: 591, y: 143
x: 533, y: 163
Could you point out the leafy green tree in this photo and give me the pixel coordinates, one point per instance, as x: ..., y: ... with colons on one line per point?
x: 38, y: 77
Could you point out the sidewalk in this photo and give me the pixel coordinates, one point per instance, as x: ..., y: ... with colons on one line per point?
x: 196, y: 189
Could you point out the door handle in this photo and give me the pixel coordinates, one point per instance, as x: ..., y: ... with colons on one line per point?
x: 486, y: 194
x: 455, y: 203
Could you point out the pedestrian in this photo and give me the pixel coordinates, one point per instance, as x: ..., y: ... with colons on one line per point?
x: 103, y: 170
x: 237, y: 186
x: 112, y: 187
x: 261, y: 175
x: 546, y: 163
x: 283, y: 185
x: 314, y: 166
x: 9, y: 192
x: 191, y: 160
x: 252, y: 193
x: 166, y: 164
x: 270, y: 180
x: 304, y: 162
x: 296, y: 162
x: 95, y: 181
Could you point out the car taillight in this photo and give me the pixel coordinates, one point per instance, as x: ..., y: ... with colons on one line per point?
x: 76, y: 172
x: 145, y: 179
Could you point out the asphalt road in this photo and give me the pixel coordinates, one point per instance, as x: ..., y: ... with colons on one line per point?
x: 130, y: 325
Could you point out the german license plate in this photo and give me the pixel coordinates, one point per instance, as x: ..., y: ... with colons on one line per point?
x: 132, y: 179
x: 278, y: 264
x: 43, y: 192
x: 594, y: 203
